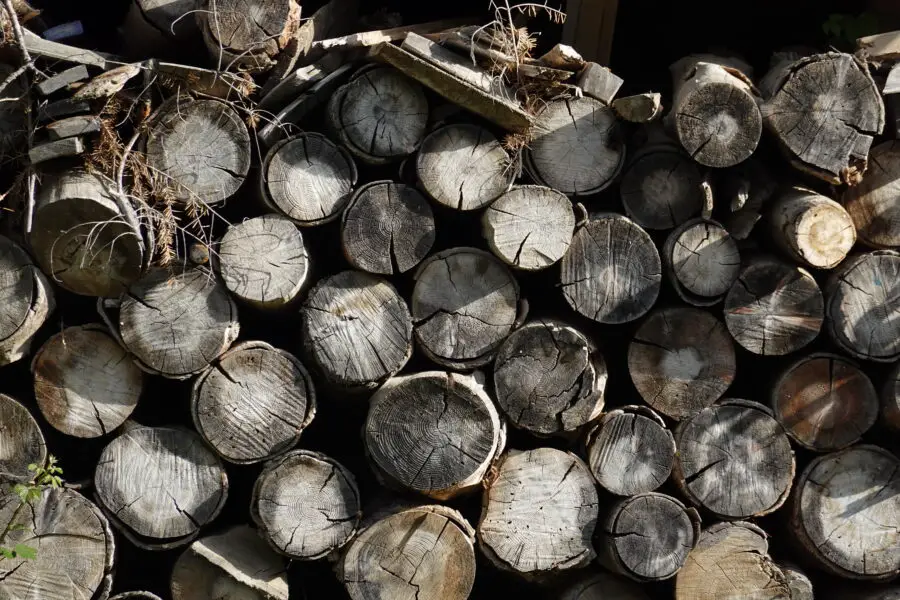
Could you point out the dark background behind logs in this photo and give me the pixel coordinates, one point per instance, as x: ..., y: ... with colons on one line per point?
x: 649, y: 36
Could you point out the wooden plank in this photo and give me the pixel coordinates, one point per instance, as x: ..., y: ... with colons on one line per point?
x: 589, y: 28
x: 883, y: 46
x: 38, y: 46
x: 62, y: 108
x: 61, y: 80
x: 73, y: 126
x: 57, y: 149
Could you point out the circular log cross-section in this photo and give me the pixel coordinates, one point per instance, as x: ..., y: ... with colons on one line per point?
x: 247, y: 34
x: 604, y: 586
x: 160, y: 485
x: 648, y: 537
x: 863, y: 306
x: 734, y: 459
x: 846, y: 512
x: 26, y: 301
x: 464, y: 304
x: 874, y: 204
x: 200, y: 149
x: 21, y: 441
x: 890, y: 400
x: 85, y: 383
x: 357, y: 329
x: 825, y: 402
x: 630, y: 451
x: 423, y: 553
x: 387, y: 229
x: 73, y: 543
x: 812, y: 229
x: 463, y: 167
x: 306, y: 505
x: 308, y: 179
x: 433, y: 433
x: 253, y: 403
x: 529, y: 227
x: 538, y: 515
x: 176, y: 324
x: 549, y: 378
x: 681, y: 360
x: 774, y: 308
x: 577, y: 147
x: 661, y: 187
x: 612, y: 272
x: 702, y: 261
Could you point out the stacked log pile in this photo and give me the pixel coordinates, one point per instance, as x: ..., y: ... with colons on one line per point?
x: 420, y: 312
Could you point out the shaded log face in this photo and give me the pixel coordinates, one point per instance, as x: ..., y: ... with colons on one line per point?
x: 661, y: 188
x: 21, y: 441
x: 604, y: 586
x: 874, y: 204
x: 703, y: 261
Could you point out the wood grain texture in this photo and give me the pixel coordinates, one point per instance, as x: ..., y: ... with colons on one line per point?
x: 890, y: 399
x: 681, y: 360
x: 874, y: 204
x: 603, y: 586
x: 247, y: 35
x: 612, y: 271
x: 642, y: 108
x: 26, y: 301
x: 734, y: 459
x: 812, y: 229
x: 798, y: 582
x: 21, y: 441
x: 702, y: 261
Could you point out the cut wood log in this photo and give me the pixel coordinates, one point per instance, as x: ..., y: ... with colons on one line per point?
x: 263, y: 261
x: 702, y: 261
x: 774, y: 308
x: 890, y: 400
x: 612, y: 271
x: 577, y: 147
x: 538, y: 515
x: 84, y: 382
x: 825, y: 112
x: 388, y: 228
x: 464, y: 304
x: 599, y: 83
x: 407, y: 414
x: 798, y: 582
x: 825, y: 402
x: 367, y: 39
x: 641, y: 108
x: 874, y: 204
x: 425, y: 553
x: 357, y: 329
x: 73, y: 126
x: 648, y: 537
x: 62, y: 79
x: 306, y: 505
x: 529, y: 227
x: 72, y: 146
x: 812, y: 229
x: 21, y: 443
x: 881, y: 46
x: 863, y: 305
x: 549, y: 378
x: 562, y: 56
x: 253, y: 403
x: 846, y: 512
x: 464, y: 167
x: 603, y: 586
x: 235, y: 564
x: 158, y: 27
x: 160, y: 485
x: 26, y: 301
x: 734, y: 459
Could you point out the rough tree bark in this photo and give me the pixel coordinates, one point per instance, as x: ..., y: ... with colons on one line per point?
x: 874, y: 204
x: 702, y: 261
x: 812, y: 229
x: 603, y: 586
x: 26, y: 301
x: 21, y: 442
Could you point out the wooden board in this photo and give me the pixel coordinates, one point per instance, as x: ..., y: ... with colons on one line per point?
x: 589, y: 28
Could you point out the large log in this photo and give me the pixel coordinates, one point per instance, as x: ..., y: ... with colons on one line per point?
x: 21, y: 441
x: 890, y: 400
x: 158, y: 27
x: 812, y: 229
x: 702, y: 261
x: 26, y: 301
x: 603, y: 586
x: 874, y: 204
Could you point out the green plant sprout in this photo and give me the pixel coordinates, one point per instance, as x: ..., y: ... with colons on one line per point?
x: 43, y: 477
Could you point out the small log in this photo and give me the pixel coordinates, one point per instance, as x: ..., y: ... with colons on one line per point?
x: 408, y: 413
x: 21, y: 442
x: 73, y: 126
x: 874, y: 204
x: 562, y: 56
x: 236, y: 564
x: 890, y: 400
x: 846, y: 512
x: 811, y: 229
x: 648, y: 537
x: 263, y: 261
x: 464, y: 167
x: 604, y: 586
x: 529, y: 227
x: 357, y: 329
x: 702, y: 261
x: 426, y: 552
x: 630, y: 451
x: 253, y: 403
x: 62, y: 79
x: 155, y: 27
x: 598, y: 82
x: 612, y: 271
x: 799, y: 583
x: 464, y: 304
x: 84, y: 382
x: 26, y: 301
x: 642, y: 108
x: 734, y: 459
x: 72, y: 146
x: 550, y: 489
x: 825, y: 402
x: 388, y: 228
x: 159, y: 486
x: 863, y: 304
x: 774, y: 308
x: 556, y: 157
x: 201, y: 148
x: 549, y: 378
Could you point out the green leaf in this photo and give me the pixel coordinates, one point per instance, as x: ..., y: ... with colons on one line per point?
x: 32, y: 467
x: 18, y: 527
x: 7, y: 553
x: 26, y: 552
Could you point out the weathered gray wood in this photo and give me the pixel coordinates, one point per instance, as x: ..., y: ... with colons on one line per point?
x: 84, y: 382
x: 21, y: 442
x: 734, y: 459
x: 62, y: 108
x: 612, y: 271
x: 562, y: 56
x: 529, y: 227
x: 73, y: 126
x: 160, y: 485
x: 72, y: 146
x: 825, y: 402
x: 62, y: 79
x: 702, y: 261
x: 253, y: 403
x: 774, y: 308
x: 811, y: 229
x: 292, y: 86
x: 263, y: 261
x: 464, y: 304
x: 464, y: 167
x: 538, y: 515
x: 846, y: 512
x: 422, y: 553
x: 549, y: 378
x: 188, y: 78
x: 39, y: 47
x: 26, y: 301
x: 603, y: 586
x: 366, y: 39
x: 176, y: 324
x: 863, y: 304
x: 747, y: 189
x: 388, y: 228
x: 306, y: 505
x: 641, y: 108
x: 890, y: 399
x: 357, y: 329
x: 874, y: 204
x: 798, y: 582
x: 108, y: 83
x: 599, y: 83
